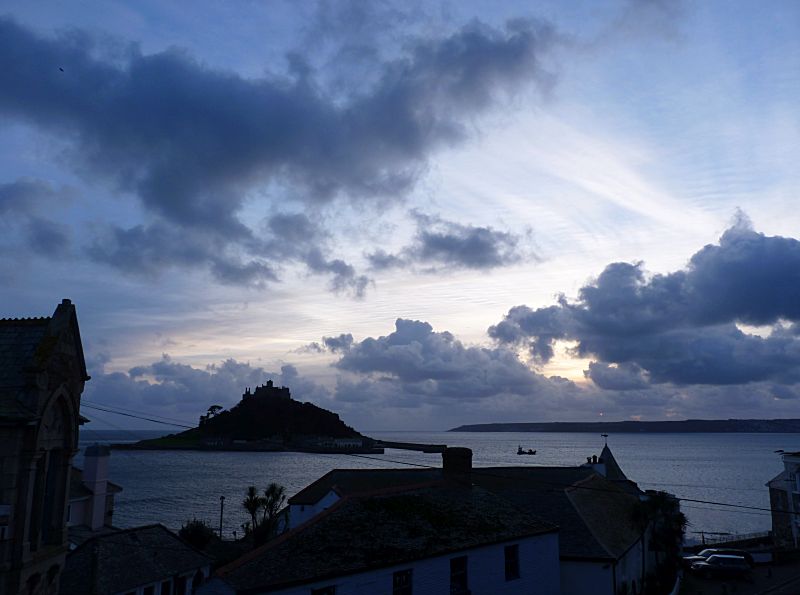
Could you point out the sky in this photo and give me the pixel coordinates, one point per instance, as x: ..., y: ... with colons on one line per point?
x: 415, y: 214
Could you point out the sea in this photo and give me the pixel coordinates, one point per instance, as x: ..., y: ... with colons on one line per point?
x: 719, y: 477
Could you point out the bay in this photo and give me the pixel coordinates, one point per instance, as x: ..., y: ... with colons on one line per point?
x: 171, y: 487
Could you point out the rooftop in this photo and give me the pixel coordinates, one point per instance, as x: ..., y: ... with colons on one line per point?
x: 123, y: 560
x: 595, y: 516
x: 364, y: 532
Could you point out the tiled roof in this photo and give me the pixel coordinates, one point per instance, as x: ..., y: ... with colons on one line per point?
x: 121, y: 561
x: 355, y: 481
x: 365, y: 532
x: 19, y: 340
x: 541, y: 491
x: 609, y: 513
x: 549, y: 493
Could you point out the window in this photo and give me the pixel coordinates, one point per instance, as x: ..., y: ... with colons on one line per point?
x: 458, y: 575
x: 512, y: 562
x: 151, y: 590
x: 166, y: 588
x: 324, y: 591
x: 401, y: 582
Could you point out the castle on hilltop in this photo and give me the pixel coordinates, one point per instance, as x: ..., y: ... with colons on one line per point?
x: 268, y: 391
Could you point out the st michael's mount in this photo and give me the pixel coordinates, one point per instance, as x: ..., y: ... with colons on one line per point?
x: 267, y: 419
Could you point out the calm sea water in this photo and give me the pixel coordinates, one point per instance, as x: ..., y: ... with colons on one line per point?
x: 172, y: 487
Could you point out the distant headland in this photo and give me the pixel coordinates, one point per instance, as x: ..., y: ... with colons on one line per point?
x: 762, y: 426
x: 266, y: 419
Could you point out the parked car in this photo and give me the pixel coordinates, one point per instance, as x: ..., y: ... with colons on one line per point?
x: 704, y: 554
x: 722, y: 566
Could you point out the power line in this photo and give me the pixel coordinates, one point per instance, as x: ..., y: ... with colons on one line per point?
x: 134, y: 411
x: 158, y: 421
x: 475, y: 470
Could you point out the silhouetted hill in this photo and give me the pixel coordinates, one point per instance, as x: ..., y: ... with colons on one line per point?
x: 265, y: 423
x: 688, y: 426
x: 258, y: 418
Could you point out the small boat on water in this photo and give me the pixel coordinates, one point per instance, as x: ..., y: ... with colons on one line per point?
x: 521, y: 451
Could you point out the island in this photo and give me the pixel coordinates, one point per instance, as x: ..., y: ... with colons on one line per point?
x: 761, y: 426
x: 266, y: 419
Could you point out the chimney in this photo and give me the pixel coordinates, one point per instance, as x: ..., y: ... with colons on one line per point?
x: 95, y: 477
x: 457, y: 463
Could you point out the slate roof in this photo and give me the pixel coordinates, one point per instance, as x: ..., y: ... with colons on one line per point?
x: 348, y: 482
x: 360, y: 533
x: 121, y: 561
x: 19, y: 340
x: 595, y: 516
x: 613, y: 470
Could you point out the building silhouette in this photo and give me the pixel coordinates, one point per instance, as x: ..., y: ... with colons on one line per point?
x: 42, y: 374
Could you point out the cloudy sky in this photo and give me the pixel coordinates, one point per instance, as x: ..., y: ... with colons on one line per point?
x: 415, y: 214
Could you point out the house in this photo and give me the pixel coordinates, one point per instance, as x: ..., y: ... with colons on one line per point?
x: 602, y: 549
x: 149, y: 560
x: 602, y: 546
x: 445, y: 536
x: 91, y: 497
x: 784, y: 501
x: 42, y: 374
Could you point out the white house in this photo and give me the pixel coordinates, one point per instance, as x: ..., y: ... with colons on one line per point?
x: 602, y: 549
x: 443, y: 536
x: 427, y: 541
x: 91, y: 497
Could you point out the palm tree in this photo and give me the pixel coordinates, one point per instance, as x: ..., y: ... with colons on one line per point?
x: 252, y: 503
x: 272, y: 503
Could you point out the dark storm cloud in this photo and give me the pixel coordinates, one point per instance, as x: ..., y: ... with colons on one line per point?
x: 339, y: 344
x: 191, y: 141
x: 436, y: 364
x: 439, y: 243
x: 626, y: 376
x: 148, y: 250
x: 47, y: 237
x: 22, y: 204
x: 25, y: 196
x: 680, y: 327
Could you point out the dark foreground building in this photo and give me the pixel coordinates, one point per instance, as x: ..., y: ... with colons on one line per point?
x: 42, y: 373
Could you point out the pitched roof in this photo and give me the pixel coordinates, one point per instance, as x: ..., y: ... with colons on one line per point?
x: 576, y: 499
x: 609, y: 513
x: 366, y: 532
x: 26, y: 344
x: 124, y: 560
x: 19, y: 341
x: 355, y: 481
x: 613, y: 470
